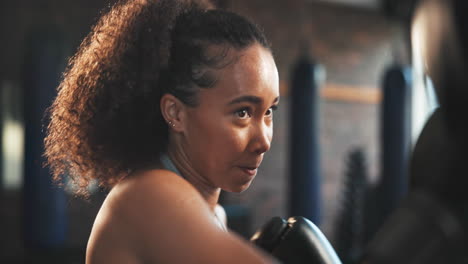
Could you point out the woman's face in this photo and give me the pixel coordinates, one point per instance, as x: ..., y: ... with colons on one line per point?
x: 232, y: 127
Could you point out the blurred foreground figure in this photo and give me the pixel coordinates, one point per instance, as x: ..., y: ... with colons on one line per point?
x: 430, y: 225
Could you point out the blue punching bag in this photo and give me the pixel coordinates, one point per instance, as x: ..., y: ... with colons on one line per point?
x: 44, y: 203
x: 305, y: 183
x: 395, y: 137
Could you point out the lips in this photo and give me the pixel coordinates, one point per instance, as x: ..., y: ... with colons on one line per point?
x: 250, y: 167
x: 249, y: 170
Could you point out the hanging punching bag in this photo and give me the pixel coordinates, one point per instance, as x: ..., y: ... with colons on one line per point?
x: 395, y: 137
x: 305, y: 182
x: 44, y: 215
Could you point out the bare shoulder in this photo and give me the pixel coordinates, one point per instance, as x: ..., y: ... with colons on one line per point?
x: 157, y: 216
x: 157, y: 189
x: 145, y: 201
x: 156, y: 199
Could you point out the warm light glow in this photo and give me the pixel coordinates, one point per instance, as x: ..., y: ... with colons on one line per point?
x: 419, y: 101
x: 13, y: 153
x: 427, y: 25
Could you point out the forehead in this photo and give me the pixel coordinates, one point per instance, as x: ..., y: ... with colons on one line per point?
x: 252, y: 72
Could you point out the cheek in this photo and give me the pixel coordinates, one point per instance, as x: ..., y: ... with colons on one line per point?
x: 227, y: 144
x: 216, y: 143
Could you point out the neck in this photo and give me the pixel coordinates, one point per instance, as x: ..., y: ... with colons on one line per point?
x: 209, y: 192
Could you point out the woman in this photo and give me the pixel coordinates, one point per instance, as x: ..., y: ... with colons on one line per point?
x: 165, y: 103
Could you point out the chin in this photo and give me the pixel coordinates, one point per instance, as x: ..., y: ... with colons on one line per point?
x: 238, y: 188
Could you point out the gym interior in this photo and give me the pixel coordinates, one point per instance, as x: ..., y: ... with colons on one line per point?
x: 376, y: 163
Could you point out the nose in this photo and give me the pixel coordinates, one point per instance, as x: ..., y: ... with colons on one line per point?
x: 261, y: 139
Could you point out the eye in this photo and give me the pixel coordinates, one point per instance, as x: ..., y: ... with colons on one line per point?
x: 243, y: 113
x: 270, y: 110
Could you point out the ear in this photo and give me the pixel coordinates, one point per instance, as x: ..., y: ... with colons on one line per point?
x: 173, y: 111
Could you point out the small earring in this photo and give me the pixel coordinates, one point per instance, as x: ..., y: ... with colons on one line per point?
x: 171, y: 124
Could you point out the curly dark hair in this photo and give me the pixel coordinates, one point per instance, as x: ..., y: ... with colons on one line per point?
x: 105, y: 121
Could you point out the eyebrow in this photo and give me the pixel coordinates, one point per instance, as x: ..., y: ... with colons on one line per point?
x: 250, y: 99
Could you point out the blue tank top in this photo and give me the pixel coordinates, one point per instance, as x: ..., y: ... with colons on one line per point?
x: 169, y: 165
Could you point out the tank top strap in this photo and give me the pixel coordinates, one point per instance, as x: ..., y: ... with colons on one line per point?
x: 169, y: 165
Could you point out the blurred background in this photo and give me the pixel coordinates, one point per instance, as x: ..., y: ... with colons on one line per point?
x: 345, y: 73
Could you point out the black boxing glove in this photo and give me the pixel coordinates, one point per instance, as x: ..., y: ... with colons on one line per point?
x: 297, y: 240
